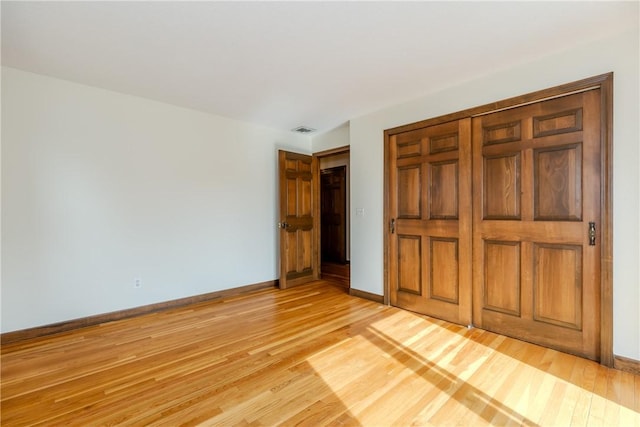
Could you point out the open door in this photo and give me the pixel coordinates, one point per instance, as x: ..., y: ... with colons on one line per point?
x: 298, y: 258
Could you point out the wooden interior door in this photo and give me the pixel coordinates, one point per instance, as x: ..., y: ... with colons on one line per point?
x: 536, y: 202
x: 298, y: 261
x: 333, y: 217
x: 429, y: 235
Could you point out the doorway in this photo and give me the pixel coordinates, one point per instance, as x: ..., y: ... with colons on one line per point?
x: 334, y: 216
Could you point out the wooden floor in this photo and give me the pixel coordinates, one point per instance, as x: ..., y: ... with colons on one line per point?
x: 310, y: 355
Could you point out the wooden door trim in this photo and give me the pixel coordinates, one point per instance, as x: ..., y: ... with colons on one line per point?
x: 606, y: 219
x: 316, y: 200
x: 332, y: 151
x: 604, y: 82
x: 596, y: 82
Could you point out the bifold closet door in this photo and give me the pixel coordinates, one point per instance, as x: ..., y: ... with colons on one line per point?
x: 429, y: 236
x: 536, y: 230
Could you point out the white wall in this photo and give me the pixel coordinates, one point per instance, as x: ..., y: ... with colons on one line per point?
x: 100, y: 188
x: 338, y: 137
x: 618, y: 54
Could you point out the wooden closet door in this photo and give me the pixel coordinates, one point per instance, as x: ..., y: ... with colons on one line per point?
x: 430, y: 221
x: 536, y: 274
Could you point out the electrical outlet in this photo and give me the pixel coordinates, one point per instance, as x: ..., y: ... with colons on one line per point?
x: 137, y: 283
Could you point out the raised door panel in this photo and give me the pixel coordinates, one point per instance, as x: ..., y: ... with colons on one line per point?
x: 502, y: 286
x: 557, y: 183
x: 443, y: 190
x: 410, y: 264
x: 304, y: 207
x: 409, y: 192
x: 502, y: 131
x: 502, y: 187
x: 557, y: 285
x: 291, y: 245
x: 291, y: 196
x: 444, y: 142
x: 443, y: 266
x: 557, y: 123
x: 409, y: 149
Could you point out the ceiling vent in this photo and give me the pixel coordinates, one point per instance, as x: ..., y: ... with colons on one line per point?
x: 303, y: 129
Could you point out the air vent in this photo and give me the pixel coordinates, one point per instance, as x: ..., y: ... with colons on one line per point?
x: 303, y: 129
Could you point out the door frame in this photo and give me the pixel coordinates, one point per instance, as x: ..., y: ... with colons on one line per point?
x: 604, y: 82
x: 316, y: 197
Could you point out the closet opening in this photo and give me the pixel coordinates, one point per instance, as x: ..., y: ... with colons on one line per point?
x: 334, y: 216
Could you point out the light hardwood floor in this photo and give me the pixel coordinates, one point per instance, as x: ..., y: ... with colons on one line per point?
x: 311, y: 355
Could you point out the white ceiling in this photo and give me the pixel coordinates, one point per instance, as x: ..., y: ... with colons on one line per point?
x: 284, y: 64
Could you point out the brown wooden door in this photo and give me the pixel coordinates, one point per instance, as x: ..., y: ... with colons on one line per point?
x: 536, y: 190
x: 430, y: 221
x: 298, y: 262
x: 333, y: 229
